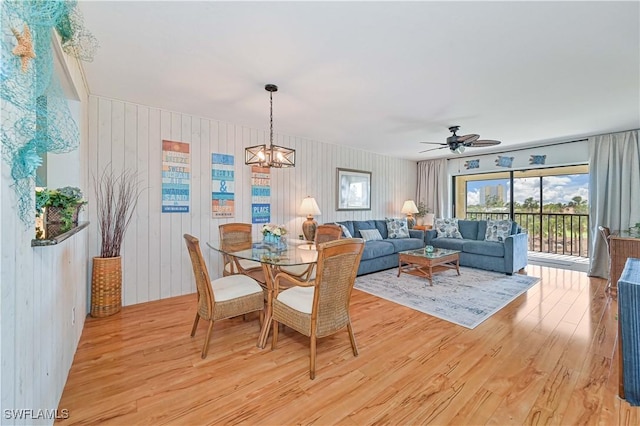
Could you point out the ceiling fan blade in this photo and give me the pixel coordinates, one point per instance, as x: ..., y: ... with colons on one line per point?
x: 483, y: 142
x: 468, y: 138
x: 433, y: 149
x: 435, y: 143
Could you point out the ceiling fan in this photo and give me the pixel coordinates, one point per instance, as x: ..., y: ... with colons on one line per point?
x: 457, y: 143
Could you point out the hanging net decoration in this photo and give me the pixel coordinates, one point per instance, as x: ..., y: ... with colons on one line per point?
x: 35, y: 114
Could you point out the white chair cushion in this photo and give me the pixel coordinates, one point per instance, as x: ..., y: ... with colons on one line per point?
x: 295, y: 269
x: 298, y: 298
x: 233, y: 286
x: 245, y: 264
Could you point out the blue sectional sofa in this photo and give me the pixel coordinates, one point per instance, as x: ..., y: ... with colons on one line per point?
x: 382, y: 254
x: 508, y: 256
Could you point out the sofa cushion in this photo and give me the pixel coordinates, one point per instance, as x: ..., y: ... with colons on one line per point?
x: 345, y: 231
x: 402, y: 244
x: 373, y: 249
x: 381, y: 225
x: 486, y: 248
x: 370, y: 234
x: 482, y: 230
x: 397, y: 228
x: 447, y: 228
x: 448, y: 243
x: 362, y: 224
x: 349, y: 225
x: 469, y: 229
x: 498, y: 230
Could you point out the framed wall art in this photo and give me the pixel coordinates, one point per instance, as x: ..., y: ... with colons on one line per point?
x: 353, y: 189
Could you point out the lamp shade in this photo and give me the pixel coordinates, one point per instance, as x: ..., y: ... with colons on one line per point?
x: 309, y: 207
x: 409, y: 207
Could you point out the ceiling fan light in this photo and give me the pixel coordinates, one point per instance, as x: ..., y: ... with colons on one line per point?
x: 459, y: 149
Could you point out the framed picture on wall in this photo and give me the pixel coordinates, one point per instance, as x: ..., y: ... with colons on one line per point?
x: 354, y: 190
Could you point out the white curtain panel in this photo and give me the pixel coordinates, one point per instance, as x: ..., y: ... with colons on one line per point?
x: 614, y: 190
x: 433, y: 186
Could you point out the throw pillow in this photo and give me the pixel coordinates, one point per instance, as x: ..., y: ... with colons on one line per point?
x: 498, y: 230
x: 447, y: 228
x: 345, y: 230
x: 370, y: 234
x: 397, y: 228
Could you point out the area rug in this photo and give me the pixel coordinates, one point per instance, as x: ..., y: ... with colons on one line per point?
x: 466, y: 300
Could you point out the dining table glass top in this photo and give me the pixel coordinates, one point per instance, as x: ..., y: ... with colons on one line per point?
x: 293, y: 254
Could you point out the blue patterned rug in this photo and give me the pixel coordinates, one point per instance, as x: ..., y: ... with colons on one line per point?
x: 466, y: 300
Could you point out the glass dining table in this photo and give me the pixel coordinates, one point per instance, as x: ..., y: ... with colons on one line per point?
x: 272, y: 260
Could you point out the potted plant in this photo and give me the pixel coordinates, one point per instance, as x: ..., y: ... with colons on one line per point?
x: 424, y: 215
x: 59, y: 206
x: 117, y: 196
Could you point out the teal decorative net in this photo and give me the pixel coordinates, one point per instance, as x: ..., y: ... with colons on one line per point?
x: 35, y: 114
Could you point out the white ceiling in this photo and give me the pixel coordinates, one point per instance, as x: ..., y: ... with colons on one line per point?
x: 378, y: 76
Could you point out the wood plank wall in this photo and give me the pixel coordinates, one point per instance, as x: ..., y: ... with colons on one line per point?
x: 44, y: 293
x: 155, y: 261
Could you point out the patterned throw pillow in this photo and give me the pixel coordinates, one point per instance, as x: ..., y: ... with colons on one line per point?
x: 345, y: 230
x: 397, y: 228
x: 370, y: 234
x: 497, y: 230
x: 447, y: 228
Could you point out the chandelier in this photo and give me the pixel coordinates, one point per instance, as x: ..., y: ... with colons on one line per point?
x: 270, y: 155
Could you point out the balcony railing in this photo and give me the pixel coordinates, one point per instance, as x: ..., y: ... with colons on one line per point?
x: 558, y: 233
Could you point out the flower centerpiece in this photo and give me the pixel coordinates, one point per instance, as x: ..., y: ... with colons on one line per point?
x: 274, y: 235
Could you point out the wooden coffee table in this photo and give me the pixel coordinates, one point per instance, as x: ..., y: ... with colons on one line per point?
x: 421, y: 264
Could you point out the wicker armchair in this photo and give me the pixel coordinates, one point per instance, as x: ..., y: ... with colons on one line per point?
x: 225, y: 297
x: 321, y: 307
x: 237, y: 236
x: 324, y: 233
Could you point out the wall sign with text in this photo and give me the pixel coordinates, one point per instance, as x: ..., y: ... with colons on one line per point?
x: 176, y: 177
x: 222, y: 186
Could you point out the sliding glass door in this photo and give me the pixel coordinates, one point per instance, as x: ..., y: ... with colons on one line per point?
x: 551, y: 204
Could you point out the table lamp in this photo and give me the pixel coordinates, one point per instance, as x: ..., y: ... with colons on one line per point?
x: 309, y: 207
x: 409, y: 208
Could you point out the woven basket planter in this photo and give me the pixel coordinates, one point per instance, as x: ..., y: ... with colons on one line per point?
x: 106, y: 286
x: 54, y: 215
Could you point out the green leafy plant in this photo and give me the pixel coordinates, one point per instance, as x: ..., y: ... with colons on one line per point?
x: 422, y: 209
x: 66, y: 200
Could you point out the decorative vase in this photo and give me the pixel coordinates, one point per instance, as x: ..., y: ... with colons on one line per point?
x: 106, y: 286
x: 275, y: 241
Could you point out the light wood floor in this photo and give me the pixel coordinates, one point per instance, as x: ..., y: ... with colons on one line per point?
x: 547, y: 358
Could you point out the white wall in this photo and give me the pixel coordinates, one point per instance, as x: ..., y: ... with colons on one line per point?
x: 42, y: 288
x: 155, y: 260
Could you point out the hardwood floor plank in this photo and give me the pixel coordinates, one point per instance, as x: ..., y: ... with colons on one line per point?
x: 549, y: 357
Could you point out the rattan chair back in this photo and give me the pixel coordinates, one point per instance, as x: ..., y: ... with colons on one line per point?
x: 325, y: 233
x: 338, y: 263
x: 205, y: 294
x: 235, y: 237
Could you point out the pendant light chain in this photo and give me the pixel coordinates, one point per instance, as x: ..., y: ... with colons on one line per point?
x: 271, y: 117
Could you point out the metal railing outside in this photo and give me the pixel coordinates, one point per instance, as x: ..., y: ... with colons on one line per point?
x: 557, y: 233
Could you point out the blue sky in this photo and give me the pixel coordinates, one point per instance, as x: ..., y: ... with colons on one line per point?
x: 559, y: 188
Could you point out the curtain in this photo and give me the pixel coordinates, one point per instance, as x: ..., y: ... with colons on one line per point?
x: 433, y: 186
x: 614, y: 186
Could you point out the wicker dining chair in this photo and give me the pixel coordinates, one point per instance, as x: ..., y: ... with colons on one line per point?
x: 225, y: 297
x: 234, y: 237
x: 605, y: 232
x: 324, y: 233
x: 320, y: 308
